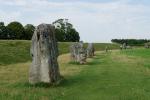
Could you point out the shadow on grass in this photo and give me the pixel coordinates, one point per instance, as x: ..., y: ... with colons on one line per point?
x: 93, y: 63
x: 38, y: 85
x: 87, y: 63
x: 74, y: 63
x: 63, y: 83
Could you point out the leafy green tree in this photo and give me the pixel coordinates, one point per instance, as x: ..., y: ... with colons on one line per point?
x: 29, y: 30
x: 59, y: 35
x: 65, y: 31
x: 3, y: 31
x: 16, y: 30
x: 72, y: 35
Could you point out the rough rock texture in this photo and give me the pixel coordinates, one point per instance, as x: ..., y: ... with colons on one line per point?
x: 123, y: 46
x: 90, y: 50
x: 106, y: 49
x: 82, y: 55
x: 78, y: 53
x: 147, y: 45
x: 44, y: 52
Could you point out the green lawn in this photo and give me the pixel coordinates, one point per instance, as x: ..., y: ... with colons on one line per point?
x: 117, y: 75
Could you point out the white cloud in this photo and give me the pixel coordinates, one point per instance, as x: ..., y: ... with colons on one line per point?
x: 96, y: 22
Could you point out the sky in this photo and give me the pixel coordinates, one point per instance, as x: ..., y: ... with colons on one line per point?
x: 95, y: 20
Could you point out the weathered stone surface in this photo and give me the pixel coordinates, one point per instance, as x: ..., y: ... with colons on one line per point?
x: 83, y: 56
x: 90, y: 50
x: 147, y: 45
x: 106, y: 49
x: 78, y: 52
x: 123, y: 46
x: 44, y: 53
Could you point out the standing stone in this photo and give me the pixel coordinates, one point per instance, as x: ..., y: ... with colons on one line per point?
x: 78, y: 53
x: 82, y: 55
x: 90, y: 50
x: 74, y: 50
x: 124, y: 45
x: 44, y: 53
x: 147, y: 45
x: 106, y: 49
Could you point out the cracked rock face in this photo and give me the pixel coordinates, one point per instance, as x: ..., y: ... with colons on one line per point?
x: 78, y: 53
x: 44, y: 52
x: 90, y: 50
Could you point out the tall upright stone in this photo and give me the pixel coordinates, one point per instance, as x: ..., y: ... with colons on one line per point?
x: 44, y: 53
x: 124, y: 46
x: 106, y: 49
x: 147, y: 45
x: 90, y: 50
x: 78, y: 52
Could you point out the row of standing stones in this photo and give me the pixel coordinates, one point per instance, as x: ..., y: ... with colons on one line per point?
x: 44, y: 52
x: 79, y: 53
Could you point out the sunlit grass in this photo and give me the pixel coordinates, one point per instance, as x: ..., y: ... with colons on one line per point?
x: 116, y: 75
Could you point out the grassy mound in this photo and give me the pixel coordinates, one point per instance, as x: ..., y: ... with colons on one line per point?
x: 17, y: 51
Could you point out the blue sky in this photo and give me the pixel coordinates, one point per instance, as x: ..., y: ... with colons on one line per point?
x: 95, y: 20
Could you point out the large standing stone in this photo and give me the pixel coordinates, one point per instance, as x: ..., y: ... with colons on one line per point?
x: 147, y: 45
x: 82, y: 55
x: 106, y: 49
x: 90, y: 50
x: 123, y: 46
x: 78, y: 52
x: 44, y: 53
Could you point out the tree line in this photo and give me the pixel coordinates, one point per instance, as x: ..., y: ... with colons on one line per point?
x: 131, y: 42
x: 65, y: 32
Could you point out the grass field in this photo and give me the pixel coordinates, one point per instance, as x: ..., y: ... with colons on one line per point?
x: 17, y: 51
x: 116, y: 75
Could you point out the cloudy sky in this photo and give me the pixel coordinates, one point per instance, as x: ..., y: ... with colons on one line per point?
x: 95, y: 20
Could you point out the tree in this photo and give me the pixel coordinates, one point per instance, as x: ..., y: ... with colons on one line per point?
x: 72, y: 35
x: 65, y: 31
x: 3, y: 31
x: 29, y: 30
x: 59, y: 34
x: 16, y: 30
x: 132, y: 42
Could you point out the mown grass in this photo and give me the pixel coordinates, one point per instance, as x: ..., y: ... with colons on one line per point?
x: 116, y: 75
x: 18, y: 51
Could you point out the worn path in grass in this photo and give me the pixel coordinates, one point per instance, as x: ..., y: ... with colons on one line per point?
x: 117, y: 75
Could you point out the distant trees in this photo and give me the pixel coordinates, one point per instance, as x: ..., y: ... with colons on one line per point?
x: 65, y: 32
x: 29, y: 30
x: 3, y: 31
x: 132, y: 42
x: 16, y: 30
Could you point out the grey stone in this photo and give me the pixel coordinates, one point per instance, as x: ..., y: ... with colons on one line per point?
x: 78, y: 53
x: 106, y: 49
x: 147, y: 45
x: 44, y: 53
x: 90, y: 50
